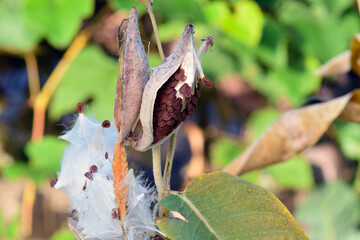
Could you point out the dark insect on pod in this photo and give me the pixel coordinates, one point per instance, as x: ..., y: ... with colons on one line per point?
x: 171, y: 93
x: 133, y: 74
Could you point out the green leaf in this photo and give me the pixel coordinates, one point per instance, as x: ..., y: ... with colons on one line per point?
x: 46, y: 154
x: 223, y: 151
x: 217, y: 63
x: 17, y: 31
x: 331, y: 212
x: 10, y: 230
x: 171, y: 30
x: 154, y: 59
x: 216, y: 13
x: 189, y: 10
x: 93, y: 75
x: 295, y: 173
x: 290, y: 83
x: 60, y: 20
x: 62, y: 234
x: 333, y: 33
x: 334, y: 7
x: 13, y: 230
x: 15, y: 170
x: 214, y: 203
x: 246, y: 24
x: 127, y: 5
x: 273, y: 46
x: 259, y: 121
x: 349, y: 139
x: 25, y: 23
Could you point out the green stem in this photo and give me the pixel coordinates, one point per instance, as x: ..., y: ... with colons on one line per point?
x: 169, y: 161
x: 156, y: 155
x: 148, y: 6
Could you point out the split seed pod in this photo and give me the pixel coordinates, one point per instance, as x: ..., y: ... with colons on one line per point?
x: 134, y: 72
x: 171, y: 93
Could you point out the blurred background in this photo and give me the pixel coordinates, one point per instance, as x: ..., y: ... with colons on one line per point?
x: 54, y: 54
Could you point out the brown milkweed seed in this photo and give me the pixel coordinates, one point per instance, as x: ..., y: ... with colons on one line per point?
x: 106, y: 124
x: 80, y: 107
x: 93, y: 169
x: 53, y: 182
x: 88, y: 175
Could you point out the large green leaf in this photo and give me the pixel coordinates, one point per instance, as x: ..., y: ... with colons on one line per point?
x: 295, y: 173
x: 331, y: 212
x: 246, y: 24
x: 218, y: 205
x: 188, y: 10
x: 24, y: 23
x: 44, y: 160
x: 290, y: 84
x: 223, y: 151
x: 318, y: 31
x: 334, y: 7
x: 10, y: 230
x: 92, y: 76
x: 272, y: 49
x: 349, y: 139
x: 63, y: 234
x: 259, y: 120
x: 17, y: 31
x: 59, y: 19
x: 127, y: 5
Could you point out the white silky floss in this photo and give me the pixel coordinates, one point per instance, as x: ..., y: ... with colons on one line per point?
x: 94, y: 200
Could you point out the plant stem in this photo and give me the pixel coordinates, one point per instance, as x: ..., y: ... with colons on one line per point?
x: 43, y: 98
x: 148, y: 6
x: 164, y: 212
x: 27, y: 204
x: 169, y: 161
x: 159, y: 181
x: 33, y: 75
x: 156, y: 156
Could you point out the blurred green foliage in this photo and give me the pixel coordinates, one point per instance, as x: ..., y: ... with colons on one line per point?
x: 45, y: 160
x: 24, y: 23
x: 63, y: 234
x: 11, y: 230
x: 92, y: 76
x: 275, y: 45
x: 331, y: 212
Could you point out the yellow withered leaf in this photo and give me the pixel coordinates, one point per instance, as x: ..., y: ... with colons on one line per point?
x: 295, y: 131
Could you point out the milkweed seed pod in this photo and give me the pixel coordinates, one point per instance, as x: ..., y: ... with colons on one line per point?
x: 133, y: 75
x: 171, y: 93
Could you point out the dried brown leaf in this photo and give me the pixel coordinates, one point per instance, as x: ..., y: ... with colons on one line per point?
x: 295, y: 131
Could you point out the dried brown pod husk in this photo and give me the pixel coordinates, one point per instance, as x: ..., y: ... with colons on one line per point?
x: 134, y: 72
x: 171, y: 93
